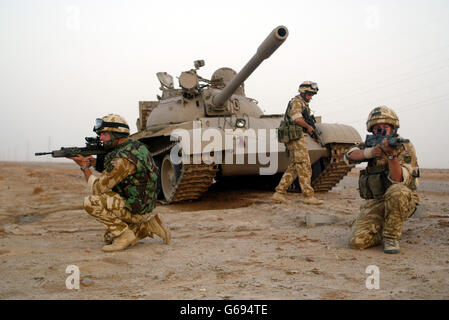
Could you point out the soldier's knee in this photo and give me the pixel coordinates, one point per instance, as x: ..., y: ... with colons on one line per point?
x: 396, y: 187
x: 91, y: 204
x: 396, y: 191
x: 364, y: 236
x: 357, y: 243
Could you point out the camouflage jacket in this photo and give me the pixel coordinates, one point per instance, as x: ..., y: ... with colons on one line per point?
x: 297, y: 105
x: 131, y: 172
x: 407, y: 160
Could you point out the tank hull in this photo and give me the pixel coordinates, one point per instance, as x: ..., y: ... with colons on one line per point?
x: 217, y: 149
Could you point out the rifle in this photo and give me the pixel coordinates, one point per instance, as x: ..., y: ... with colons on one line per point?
x: 93, y: 147
x: 310, y: 120
x: 394, y: 141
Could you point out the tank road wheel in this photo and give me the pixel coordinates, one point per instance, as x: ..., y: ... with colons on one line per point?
x: 170, y: 174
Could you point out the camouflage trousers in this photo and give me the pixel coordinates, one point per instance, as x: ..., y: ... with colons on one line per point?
x: 109, y: 209
x: 382, y: 218
x: 299, y: 167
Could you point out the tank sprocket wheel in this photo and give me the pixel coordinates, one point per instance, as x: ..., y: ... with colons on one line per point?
x: 170, y: 174
x: 181, y: 182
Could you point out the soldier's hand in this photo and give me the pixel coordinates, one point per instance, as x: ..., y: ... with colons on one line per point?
x: 387, y: 149
x: 310, y: 130
x: 377, y: 151
x: 82, y: 161
x: 92, y: 160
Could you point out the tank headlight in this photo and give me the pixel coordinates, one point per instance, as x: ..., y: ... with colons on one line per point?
x: 240, y: 123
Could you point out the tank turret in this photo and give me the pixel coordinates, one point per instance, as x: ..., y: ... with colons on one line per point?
x: 265, y: 50
x: 199, y: 97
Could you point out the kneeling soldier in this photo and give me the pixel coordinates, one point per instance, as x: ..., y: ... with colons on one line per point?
x: 388, y: 183
x: 124, y: 195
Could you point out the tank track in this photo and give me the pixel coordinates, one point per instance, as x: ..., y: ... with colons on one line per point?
x: 193, y: 182
x: 335, y: 170
x: 195, y: 179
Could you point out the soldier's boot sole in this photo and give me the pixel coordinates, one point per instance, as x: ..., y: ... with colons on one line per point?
x: 125, y: 240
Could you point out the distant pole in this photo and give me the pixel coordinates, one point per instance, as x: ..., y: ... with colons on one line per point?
x: 49, y: 146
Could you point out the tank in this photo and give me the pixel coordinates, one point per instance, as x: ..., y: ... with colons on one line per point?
x: 208, y: 131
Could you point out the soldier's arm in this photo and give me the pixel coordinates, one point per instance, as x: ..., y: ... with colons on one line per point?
x: 395, y: 170
x: 304, y: 124
x: 108, y: 180
x: 84, y: 162
x: 393, y: 163
x: 408, y: 164
x: 360, y: 154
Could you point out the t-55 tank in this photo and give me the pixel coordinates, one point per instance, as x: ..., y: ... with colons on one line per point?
x: 208, y: 130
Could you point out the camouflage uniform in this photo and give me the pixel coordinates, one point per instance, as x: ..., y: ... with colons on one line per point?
x: 123, y: 196
x: 383, y: 218
x: 299, y: 160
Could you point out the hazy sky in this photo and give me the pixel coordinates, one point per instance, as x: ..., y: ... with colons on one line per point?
x: 65, y: 63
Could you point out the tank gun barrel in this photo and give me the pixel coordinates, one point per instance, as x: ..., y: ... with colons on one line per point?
x: 265, y: 50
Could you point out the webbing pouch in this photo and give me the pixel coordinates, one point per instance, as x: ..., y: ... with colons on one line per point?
x: 283, y: 136
x: 294, y: 132
x: 373, y: 183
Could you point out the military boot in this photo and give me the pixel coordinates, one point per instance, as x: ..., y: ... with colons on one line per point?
x: 108, y: 238
x: 280, y: 197
x: 126, y: 239
x: 391, y: 245
x: 156, y: 226
x: 144, y: 232
x: 312, y: 200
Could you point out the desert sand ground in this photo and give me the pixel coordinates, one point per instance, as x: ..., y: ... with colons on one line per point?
x: 233, y: 244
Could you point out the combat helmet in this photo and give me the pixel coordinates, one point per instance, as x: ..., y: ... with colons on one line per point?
x: 111, y: 123
x: 308, y: 87
x: 382, y: 114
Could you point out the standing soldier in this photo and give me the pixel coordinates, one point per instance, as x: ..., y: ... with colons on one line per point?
x: 388, y: 183
x: 124, y: 195
x: 299, y: 161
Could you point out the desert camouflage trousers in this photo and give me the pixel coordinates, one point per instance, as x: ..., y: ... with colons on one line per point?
x: 382, y: 218
x: 109, y: 209
x: 299, y: 167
